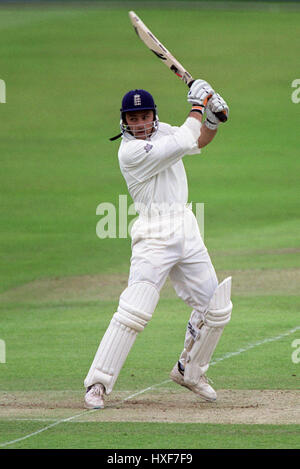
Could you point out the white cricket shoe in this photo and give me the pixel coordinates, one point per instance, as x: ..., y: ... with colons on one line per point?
x: 202, y: 388
x: 94, y: 397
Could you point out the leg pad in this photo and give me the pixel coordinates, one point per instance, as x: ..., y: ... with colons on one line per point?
x: 206, y: 336
x: 136, y: 306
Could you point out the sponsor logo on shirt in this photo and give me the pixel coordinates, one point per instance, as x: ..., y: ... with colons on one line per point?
x: 148, y: 147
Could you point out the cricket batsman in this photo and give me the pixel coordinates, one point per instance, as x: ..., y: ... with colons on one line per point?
x: 166, y: 241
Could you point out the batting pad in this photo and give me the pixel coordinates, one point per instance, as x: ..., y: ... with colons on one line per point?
x: 209, y: 333
x: 136, y: 306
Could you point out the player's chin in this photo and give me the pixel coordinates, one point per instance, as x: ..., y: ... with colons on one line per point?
x: 143, y: 135
x: 140, y: 135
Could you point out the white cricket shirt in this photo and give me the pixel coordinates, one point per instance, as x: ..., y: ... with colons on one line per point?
x: 153, y: 168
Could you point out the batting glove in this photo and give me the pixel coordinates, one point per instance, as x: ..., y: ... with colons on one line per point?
x: 199, y: 94
x: 215, y: 104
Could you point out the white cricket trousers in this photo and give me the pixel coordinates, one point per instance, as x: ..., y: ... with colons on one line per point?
x: 171, y: 245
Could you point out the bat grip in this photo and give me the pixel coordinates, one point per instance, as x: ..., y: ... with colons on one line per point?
x: 220, y: 115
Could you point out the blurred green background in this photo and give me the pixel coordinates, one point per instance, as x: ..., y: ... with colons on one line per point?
x: 66, y: 70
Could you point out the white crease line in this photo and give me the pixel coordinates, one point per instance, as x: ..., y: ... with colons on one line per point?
x: 256, y: 344
x: 227, y: 355
x: 46, y: 428
x: 145, y: 390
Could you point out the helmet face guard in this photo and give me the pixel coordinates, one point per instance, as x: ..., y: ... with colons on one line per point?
x: 138, y: 100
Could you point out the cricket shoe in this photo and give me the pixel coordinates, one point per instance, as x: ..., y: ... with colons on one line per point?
x: 202, y: 388
x: 94, y: 397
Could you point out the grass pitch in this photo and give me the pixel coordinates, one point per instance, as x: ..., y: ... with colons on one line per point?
x: 65, y: 72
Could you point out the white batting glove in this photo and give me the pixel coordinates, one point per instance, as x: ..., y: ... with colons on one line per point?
x: 199, y: 94
x: 215, y: 104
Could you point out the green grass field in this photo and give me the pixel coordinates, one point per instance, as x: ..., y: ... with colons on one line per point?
x: 66, y: 70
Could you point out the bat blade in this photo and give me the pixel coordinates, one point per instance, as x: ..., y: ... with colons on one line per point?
x: 159, y: 49
x: 163, y: 54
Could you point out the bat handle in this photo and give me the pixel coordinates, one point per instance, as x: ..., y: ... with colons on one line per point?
x: 222, y: 116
